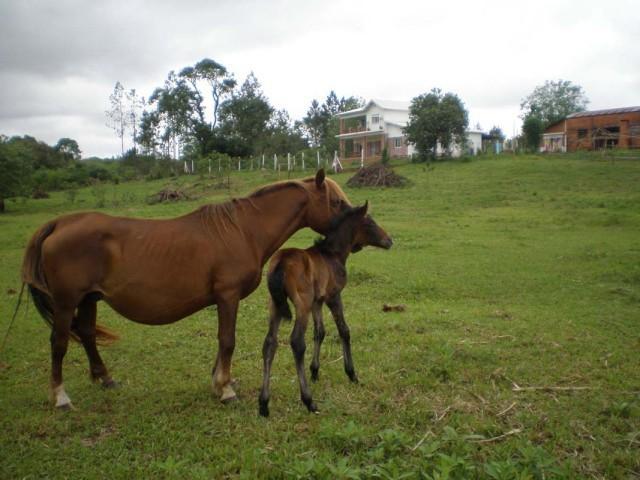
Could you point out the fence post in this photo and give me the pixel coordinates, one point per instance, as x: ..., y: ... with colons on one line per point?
x: 318, y: 158
x: 303, y: 161
x: 288, y: 162
x: 263, y: 160
x: 275, y: 162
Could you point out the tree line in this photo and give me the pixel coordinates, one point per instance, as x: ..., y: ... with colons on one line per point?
x: 202, y: 110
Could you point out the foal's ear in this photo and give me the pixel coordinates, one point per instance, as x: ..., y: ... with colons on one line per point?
x: 363, y: 209
x: 320, y: 178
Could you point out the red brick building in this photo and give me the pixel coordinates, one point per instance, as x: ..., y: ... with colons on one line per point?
x: 594, y: 130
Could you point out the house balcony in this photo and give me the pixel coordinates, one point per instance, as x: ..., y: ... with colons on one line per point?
x: 359, y: 126
x: 361, y: 131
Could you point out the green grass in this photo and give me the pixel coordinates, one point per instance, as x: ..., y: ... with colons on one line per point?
x: 514, y: 270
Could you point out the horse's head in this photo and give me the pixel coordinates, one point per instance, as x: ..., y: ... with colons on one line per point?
x: 367, y: 232
x: 326, y: 201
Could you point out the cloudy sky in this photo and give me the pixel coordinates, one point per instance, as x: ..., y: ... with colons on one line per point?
x: 59, y: 60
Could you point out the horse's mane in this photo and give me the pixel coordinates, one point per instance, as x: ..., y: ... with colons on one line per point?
x: 220, y: 217
x: 274, y: 187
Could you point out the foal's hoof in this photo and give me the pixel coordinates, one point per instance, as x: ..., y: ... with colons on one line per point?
x: 311, y: 406
x: 264, y: 410
x: 314, y: 375
x: 110, y: 384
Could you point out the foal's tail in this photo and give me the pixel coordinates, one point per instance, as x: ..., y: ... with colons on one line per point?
x: 33, y: 276
x: 275, y: 281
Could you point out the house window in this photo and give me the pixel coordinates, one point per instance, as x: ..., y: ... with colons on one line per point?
x: 582, y: 133
x: 397, y: 142
x: 375, y: 119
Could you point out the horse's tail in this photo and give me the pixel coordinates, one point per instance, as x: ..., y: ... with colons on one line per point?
x: 33, y: 275
x: 278, y: 292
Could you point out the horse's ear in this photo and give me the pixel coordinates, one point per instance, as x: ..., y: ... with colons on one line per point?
x: 363, y: 209
x: 320, y: 178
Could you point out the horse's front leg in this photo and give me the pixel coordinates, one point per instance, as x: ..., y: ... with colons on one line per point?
x: 335, y: 305
x: 227, y: 313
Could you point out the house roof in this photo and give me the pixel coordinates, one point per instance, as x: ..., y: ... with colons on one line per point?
x: 607, y: 111
x: 384, y: 104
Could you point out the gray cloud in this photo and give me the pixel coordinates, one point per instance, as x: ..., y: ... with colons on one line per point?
x: 59, y: 60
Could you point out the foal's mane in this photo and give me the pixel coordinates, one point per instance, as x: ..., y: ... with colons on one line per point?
x: 339, y: 235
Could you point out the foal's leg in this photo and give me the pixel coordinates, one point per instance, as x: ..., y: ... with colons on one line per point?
x: 298, y: 346
x: 268, y: 352
x: 59, y: 341
x: 227, y: 312
x: 85, y: 327
x: 335, y: 305
x: 318, y: 337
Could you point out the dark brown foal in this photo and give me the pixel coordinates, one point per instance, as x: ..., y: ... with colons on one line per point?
x: 310, y: 278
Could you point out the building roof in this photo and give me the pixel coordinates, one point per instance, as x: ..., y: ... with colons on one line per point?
x: 384, y: 104
x: 607, y: 111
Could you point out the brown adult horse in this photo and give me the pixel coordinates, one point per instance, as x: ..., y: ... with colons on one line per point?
x: 159, y: 271
x: 311, y: 278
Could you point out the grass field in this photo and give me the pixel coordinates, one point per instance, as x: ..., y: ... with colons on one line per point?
x: 517, y: 355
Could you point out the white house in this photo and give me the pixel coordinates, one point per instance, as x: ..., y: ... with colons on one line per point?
x: 366, y: 131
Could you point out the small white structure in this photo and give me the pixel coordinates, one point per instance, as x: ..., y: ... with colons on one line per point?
x: 366, y: 131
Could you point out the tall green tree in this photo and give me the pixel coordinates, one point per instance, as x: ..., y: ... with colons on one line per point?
x: 244, y: 117
x: 315, y: 123
x: 553, y: 101
x: 175, y: 107
x: 436, y: 118
x: 532, y: 130
x: 282, y: 135
x: 321, y: 123
x: 218, y: 79
x: 69, y: 149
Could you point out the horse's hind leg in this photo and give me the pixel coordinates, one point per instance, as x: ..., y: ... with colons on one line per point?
x: 59, y: 342
x: 84, y: 324
x: 318, y: 337
x: 268, y: 352
x: 335, y: 305
x: 298, y: 346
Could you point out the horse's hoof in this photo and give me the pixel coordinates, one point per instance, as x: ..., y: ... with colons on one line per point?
x: 110, y: 384
x: 229, y: 400
x: 314, y: 375
x: 65, y: 407
x: 264, y: 410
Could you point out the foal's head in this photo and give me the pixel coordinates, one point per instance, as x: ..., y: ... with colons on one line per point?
x: 352, y: 230
x: 367, y: 232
